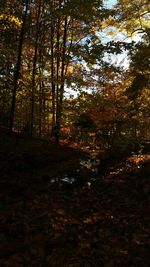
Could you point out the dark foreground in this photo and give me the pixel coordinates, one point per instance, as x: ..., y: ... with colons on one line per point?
x: 103, y: 222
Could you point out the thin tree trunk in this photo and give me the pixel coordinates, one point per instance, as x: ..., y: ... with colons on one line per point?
x: 60, y: 102
x: 40, y: 103
x: 17, y: 68
x: 58, y: 66
x: 41, y: 83
x: 43, y: 109
x: 34, y: 70
x: 52, y: 74
x: 69, y: 49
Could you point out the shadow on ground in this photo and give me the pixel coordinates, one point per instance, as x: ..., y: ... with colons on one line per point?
x: 100, y: 222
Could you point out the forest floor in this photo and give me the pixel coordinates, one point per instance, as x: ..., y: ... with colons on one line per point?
x: 47, y: 222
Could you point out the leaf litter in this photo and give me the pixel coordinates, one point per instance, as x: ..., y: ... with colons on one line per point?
x: 99, y: 222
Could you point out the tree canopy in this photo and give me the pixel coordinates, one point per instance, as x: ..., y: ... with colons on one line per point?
x: 52, y: 47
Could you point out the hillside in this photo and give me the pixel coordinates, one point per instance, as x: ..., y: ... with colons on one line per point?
x: 47, y: 221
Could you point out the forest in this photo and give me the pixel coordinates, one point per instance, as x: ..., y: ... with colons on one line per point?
x: 74, y: 133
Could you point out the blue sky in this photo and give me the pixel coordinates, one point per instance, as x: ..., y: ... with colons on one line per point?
x: 117, y: 60
x: 109, y: 3
x: 121, y: 59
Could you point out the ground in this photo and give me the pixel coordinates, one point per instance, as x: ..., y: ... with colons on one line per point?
x: 50, y: 223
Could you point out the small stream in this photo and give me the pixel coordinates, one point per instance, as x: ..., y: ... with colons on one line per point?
x: 90, y: 164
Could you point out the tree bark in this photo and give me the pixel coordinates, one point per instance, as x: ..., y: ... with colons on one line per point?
x: 17, y: 68
x: 60, y: 102
x: 34, y: 69
x: 58, y: 66
x: 52, y: 76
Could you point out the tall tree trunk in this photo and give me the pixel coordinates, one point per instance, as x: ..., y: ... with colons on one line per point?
x: 52, y: 76
x: 43, y: 115
x: 34, y: 69
x: 40, y: 102
x: 61, y: 93
x: 57, y: 67
x: 17, y: 68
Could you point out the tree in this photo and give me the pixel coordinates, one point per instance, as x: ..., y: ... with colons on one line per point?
x: 133, y: 16
x: 58, y: 48
x: 70, y: 29
x: 37, y: 33
x: 17, y: 67
x: 10, y: 23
